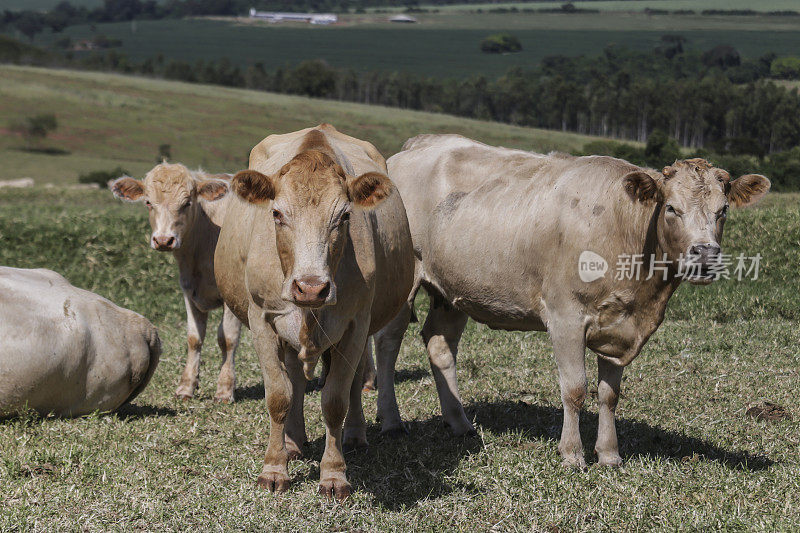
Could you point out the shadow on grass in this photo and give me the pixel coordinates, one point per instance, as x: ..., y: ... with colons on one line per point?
x: 256, y: 392
x: 637, y: 439
x: 44, y: 150
x: 131, y: 411
x: 410, y: 374
x: 399, y: 472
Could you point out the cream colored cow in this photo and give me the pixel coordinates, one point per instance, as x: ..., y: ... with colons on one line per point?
x: 502, y: 236
x: 314, y: 256
x: 66, y: 351
x: 185, y: 210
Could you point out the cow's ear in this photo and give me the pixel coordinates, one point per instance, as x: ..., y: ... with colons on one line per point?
x: 253, y: 186
x: 127, y: 188
x: 747, y: 190
x: 368, y: 190
x: 212, y: 189
x: 640, y: 186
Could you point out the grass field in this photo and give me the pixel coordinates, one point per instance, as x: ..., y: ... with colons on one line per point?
x: 693, y: 459
x: 445, y: 44
x: 109, y: 120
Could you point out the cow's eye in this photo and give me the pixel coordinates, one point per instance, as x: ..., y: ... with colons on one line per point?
x: 722, y: 213
x: 278, y: 216
x: 345, y: 217
x: 148, y: 204
x: 186, y: 204
x: 671, y: 210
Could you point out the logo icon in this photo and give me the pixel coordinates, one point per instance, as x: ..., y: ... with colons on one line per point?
x: 591, y: 266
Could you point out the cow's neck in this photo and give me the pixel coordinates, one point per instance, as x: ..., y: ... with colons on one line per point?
x: 196, y: 253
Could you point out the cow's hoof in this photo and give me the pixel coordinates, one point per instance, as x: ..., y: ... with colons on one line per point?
x: 463, y: 429
x: 368, y: 388
x: 295, y: 455
x: 224, y: 397
x: 611, y: 460
x: 354, y: 445
x: 395, y: 432
x: 185, y: 392
x: 274, y: 482
x: 337, y: 488
x: 573, y: 461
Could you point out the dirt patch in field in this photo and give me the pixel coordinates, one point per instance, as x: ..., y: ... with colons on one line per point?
x: 768, y: 411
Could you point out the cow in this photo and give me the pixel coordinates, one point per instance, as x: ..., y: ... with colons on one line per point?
x: 185, y: 210
x: 314, y: 256
x: 66, y: 351
x: 499, y: 234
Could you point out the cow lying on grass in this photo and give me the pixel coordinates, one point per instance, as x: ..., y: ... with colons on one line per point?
x: 314, y: 256
x: 67, y: 351
x: 185, y: 215
x: 498, y: 236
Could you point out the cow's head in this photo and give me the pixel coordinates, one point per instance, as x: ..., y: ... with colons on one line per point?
x: 311, y: 199
x: 172, y: 195
x: 693, y: 199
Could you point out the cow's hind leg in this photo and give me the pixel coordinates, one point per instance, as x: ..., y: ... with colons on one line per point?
x: 609, y: 377
x: 369, y: 381
x: 196, y: 321
x: 387, y: 346
x: 569, y: 347
x: 355, y: 425
x: 441, y: 333
x: 278, y: 394
x: 230, y: 328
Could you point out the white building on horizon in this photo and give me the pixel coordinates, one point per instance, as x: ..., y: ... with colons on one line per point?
x: 312, y: 18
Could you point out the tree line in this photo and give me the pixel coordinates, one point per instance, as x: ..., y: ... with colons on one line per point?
x: 713, y: 102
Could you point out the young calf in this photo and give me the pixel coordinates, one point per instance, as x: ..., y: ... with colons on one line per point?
x: 314, y: 256
x: 185, y: 210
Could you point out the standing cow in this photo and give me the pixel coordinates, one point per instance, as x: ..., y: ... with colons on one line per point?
x: 498, y: 235
x: 66, y: 351
x: 185, y: 216
x: 314, y: 256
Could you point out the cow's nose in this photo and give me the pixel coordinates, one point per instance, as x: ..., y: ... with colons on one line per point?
x: 310, y: 291
x: 164, y: 242
x: 705, y: 251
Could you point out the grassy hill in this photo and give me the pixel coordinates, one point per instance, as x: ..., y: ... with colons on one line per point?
x: 109, y: 120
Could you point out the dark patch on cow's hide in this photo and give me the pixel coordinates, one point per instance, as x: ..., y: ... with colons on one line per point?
x: 449, y: 204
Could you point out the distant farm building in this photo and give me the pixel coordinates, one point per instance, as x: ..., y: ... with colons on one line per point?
x: 403, y: 19
x: 312, y: 18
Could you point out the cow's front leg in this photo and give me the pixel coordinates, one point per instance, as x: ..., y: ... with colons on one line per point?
x: 295, y: 423
x: 278, y: 394
x: 609, y: 377
x: 370, y: 375
x: 195, y: 335
x: 569, y: 347
x: 230, y: 328
x: 387, y: 346
x: 345, y: 359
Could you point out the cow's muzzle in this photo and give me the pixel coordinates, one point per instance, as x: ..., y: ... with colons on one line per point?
x: 165, y: 243
x: 313, y: 291
x: 702, y: 263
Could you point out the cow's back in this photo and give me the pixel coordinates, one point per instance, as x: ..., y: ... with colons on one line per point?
x: 67, y: 351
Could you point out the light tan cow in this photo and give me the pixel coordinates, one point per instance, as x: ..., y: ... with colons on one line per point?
x: 503, y: 236
x: 185, y: 215
x: 314, y: 256
x: 66, y: 351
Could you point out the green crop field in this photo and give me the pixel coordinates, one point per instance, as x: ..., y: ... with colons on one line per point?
x: 442, y: 45
x: 109, y: 120
x: 694, y: 460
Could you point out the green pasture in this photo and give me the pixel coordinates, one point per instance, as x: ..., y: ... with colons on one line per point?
x: 694, y: 460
